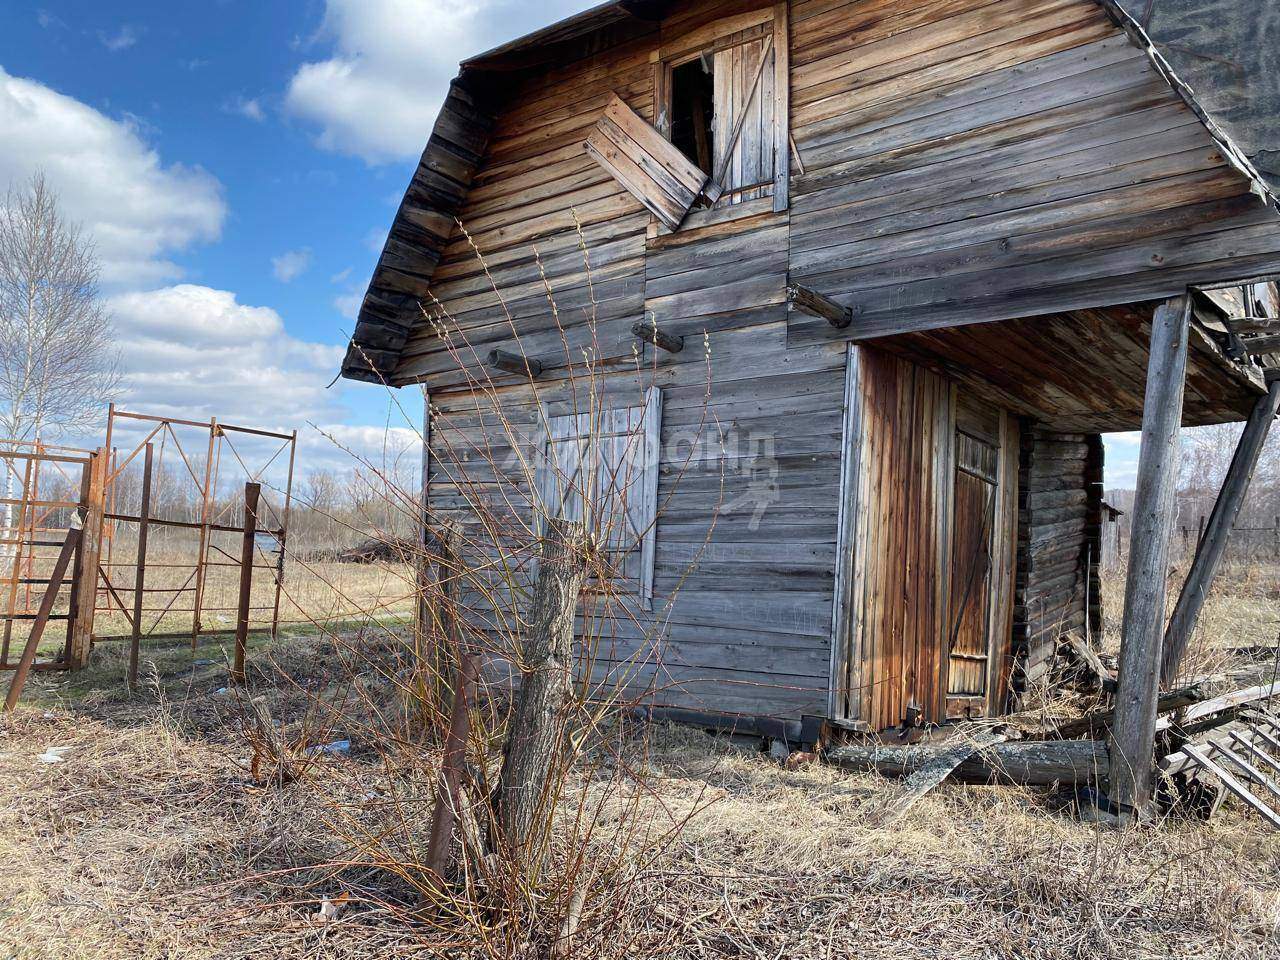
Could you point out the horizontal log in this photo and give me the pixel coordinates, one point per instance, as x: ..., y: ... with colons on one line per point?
x: 649, y: 333
x: 1029, y: 762
x: 817, y: 305
x: 1099, y: 722
x: 512, y: 363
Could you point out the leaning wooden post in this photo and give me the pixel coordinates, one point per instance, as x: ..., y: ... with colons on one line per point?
x: 251, y: 492
x: 535, y: 741
x: 140, y: 571
x: 1133, y: 735
x: 450, y: 796
x: 1213, y: 543
x: 42, y: 617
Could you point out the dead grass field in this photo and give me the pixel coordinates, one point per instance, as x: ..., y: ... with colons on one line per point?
x: 150, y: 840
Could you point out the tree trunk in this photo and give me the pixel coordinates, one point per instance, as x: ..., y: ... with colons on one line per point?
x: 535, y: 744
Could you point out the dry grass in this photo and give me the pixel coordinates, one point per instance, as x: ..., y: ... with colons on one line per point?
x: 150, y: 839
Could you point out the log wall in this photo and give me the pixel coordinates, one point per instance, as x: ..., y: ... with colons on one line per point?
x: 1059, y: 546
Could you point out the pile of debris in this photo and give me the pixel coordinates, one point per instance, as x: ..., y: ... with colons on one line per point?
x: 1207, y: 745
x: 378, y: 549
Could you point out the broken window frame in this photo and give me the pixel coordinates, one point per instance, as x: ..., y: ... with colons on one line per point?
x: 736, y: 31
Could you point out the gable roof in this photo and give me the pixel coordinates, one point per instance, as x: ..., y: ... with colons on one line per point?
x: 1214, y: 53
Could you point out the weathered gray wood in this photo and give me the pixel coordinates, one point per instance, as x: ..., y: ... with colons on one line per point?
x: 1209, y: 552
x: 1229, y: 781
x: 538, y: 729
x: 1257, y: 346
x: 1100, y: 721
x: 1132, y: 741
x: 1030, y: 762
x: 919, y: 783
x: 815, y: 304
x: 513, y: 363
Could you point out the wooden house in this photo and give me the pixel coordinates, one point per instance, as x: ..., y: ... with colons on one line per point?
x: 931, y: 249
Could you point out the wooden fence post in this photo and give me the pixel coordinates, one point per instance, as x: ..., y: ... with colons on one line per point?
x: 86, y: 570
x: 535, y: 741
x: 140, y: 573
x: 1132, y: 742
x: 251, y: 492
x: 1213, y: 542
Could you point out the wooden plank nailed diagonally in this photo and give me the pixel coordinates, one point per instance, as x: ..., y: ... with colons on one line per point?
x: 651, y: 168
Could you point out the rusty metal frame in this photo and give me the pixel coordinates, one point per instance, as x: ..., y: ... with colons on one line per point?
x: 205, y: 479
x: 34, y: 527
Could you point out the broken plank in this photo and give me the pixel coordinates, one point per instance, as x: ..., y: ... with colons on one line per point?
x: 918, y: 784
x: 1229, y: 781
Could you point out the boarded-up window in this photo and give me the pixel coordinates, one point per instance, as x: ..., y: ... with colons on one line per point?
x: 601, y: 468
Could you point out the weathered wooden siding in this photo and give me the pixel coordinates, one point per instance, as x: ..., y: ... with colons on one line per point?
x: 1059, y: 531
x: 750, y: 429
x: 898, y: 653
x: 975, y: 160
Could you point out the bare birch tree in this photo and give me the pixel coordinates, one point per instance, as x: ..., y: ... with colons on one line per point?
x: 58, y: 361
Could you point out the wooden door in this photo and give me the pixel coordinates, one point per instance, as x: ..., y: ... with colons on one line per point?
x: 969, y: 606
x: 979, y: 593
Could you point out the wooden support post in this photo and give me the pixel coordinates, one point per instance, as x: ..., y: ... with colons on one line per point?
x: 537, y: 733
x: 649, y: 333
x: 251, y: 493
x: 60, y: 565
x: 1214, y: 538
x: 514, y: 363
x: 1132, y: 743
x: 816, y: 305
x: 92, y: 514
x: 140, y: 572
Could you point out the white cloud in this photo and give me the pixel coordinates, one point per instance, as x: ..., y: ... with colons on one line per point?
x: 348, y: 304
x: 122, y: 39
x: 250, y: 109
x: 376, y: 239
x: 48, y: 21
x: 291, y: 265
x: 196, y: 352
x: 378, y: 93
x: 135, y: 207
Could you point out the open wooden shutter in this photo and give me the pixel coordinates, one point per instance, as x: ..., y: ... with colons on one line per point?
x: 651, y: 168
x: 744, y: 119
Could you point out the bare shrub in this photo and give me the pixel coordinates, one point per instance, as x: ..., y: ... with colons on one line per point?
x: 546, y: 848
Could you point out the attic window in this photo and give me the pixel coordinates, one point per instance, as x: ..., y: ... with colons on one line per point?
x: 722, y: 100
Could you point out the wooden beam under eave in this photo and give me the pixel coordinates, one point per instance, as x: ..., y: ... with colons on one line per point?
x: 818, y: 305
x: 1259, y: 346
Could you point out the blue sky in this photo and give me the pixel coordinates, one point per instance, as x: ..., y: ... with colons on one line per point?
x: 238, y: 164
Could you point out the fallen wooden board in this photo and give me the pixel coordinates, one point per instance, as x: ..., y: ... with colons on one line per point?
x: 918, y: 784
x: 1030, y: 762
x: 1100, y: 721
x: 1236, y: 698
